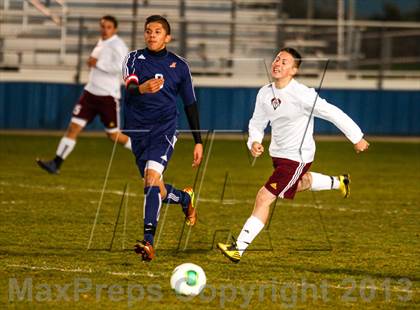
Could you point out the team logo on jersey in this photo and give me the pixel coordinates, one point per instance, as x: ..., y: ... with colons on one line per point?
x: 173, y: 65
x: 275, y: 102
x: 141, y: 57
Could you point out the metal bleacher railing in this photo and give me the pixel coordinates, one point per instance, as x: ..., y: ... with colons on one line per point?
x: 211, y: 34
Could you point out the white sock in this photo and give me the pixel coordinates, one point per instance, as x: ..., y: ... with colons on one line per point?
x: 65, y: 147
x: 322, y: 182
x: 251, y: 229
x: 127, y: 145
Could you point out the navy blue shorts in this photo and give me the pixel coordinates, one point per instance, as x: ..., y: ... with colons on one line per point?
x: 153, y: 152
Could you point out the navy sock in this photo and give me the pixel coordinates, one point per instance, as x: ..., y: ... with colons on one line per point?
x: 152, y: 206
x: 176, y: 196
x: 58, y: 161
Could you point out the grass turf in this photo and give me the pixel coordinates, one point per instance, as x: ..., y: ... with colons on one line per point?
x: 328, y: 252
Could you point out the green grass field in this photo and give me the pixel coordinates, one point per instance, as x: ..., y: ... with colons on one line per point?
x: 368, y: 255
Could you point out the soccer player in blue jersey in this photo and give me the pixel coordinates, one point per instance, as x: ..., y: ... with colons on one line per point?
x: 154, y: 77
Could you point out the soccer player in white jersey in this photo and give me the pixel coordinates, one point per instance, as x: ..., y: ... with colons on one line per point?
x: 100, y: 96
x: 287, y: 105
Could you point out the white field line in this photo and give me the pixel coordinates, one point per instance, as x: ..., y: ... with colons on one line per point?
x: 12, y: 202
x: 162, y: 274
x: 185, y: 134
x: 79, y: 270
x: 355, y: 288
x: 224, y: 202
x: 376, y: 288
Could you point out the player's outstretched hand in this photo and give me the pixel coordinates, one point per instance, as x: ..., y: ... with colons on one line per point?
x: 257, y: 149
x: 198, y: 155
x: 361, y: 146
x: 151, y: 86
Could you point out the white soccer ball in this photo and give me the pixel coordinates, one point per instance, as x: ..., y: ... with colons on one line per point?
x: 188, y: 279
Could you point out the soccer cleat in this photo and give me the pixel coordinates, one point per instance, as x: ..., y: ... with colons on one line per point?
x: 49, y: 166
x: 344, y: 184
x: 145, y: 250
x: 230, y: 251
x: 191, y: 216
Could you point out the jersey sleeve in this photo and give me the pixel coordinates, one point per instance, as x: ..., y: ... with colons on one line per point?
x: 258, y: 122
x: 331, y: 113
x: 111, y: 58
x: 129, y: 70
x: 186, y: 89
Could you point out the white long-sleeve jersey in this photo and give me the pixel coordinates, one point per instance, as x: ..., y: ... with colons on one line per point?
x: 105, y: 79
x: 289, y: 120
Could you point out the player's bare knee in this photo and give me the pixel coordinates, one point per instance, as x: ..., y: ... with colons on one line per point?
x: 112, y: 135
x: 73, y: 131
x: 264, y: 197
x: 151, y: 178
x: 305, y: 182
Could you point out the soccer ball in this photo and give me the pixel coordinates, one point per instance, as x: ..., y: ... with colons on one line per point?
x: 188, y: 279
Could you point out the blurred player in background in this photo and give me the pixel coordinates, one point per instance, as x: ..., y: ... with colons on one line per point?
x: 100, y: 96
x: 287, y: 105
x: 154, y: 77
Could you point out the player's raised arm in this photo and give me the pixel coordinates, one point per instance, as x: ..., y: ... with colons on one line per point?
x: 331, y: 113
x: 256, y: 127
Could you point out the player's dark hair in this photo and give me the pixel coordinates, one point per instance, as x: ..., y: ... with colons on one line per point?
x: 111, y: 19
x: 158, y: 19
x: 294, y: 53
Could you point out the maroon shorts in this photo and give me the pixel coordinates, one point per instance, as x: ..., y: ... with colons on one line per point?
x: 285, y: 178
x: 90, y: 105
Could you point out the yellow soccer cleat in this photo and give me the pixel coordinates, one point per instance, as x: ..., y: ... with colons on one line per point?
x: 230, y: 251
x: 191, y: 216
x: 344, y: 184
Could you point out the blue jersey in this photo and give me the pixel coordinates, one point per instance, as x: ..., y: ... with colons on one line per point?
x: 156, y: 113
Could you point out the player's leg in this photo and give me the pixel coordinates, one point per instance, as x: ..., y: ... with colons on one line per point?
x: 152, y: 201
x: 161, y: 153
x: 64, y: 148
x: 255, y: 223
x: 151, y: 206
x: 153, y: 188
x: 120, y: 138
x: 283, y: 184
x: 68, y: 142
x: 109, y: 111
x: 252, y: 227
x: 305, y: 182
x: 144, y: 248
x: 83, y: 113
x: 185, y: 198
x: 318, y: 182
